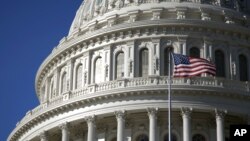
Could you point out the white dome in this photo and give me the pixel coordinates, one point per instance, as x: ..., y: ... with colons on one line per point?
x: 91, y: 9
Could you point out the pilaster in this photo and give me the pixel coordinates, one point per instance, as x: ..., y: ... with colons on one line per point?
x: 107, y: 63
x: 70, y: 65
x: 131, y: 58
x: 156, y: 56
x: 182, y: 44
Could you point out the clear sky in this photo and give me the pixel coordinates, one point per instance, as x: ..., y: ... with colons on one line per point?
x: 29, y: 29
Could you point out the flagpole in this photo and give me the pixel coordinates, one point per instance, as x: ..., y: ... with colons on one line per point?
x: 169, y: 94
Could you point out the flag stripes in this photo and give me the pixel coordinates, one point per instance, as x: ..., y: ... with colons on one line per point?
x: 186, y: 66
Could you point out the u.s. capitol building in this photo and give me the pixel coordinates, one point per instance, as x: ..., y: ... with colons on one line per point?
x: 107, y: 80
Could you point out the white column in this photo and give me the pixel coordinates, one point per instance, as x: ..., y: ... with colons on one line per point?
x: 43, y: 136
x: 220, y: 125
x: 65, y: 132
x: 91, y: 128
x: 186, y: 117
x: 120, y: 115
x: 152, y: 123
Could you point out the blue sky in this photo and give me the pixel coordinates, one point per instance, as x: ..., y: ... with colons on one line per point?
x: 29, y: 29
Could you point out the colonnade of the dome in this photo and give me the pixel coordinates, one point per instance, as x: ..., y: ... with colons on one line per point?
x: 146, y: 126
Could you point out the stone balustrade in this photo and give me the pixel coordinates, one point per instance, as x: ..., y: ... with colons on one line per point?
x: 224, y: 85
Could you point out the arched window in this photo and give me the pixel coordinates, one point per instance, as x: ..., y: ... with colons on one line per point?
x: 119, y: 65
x: 220, y: 63
x: 142, y: 137
x: 64, y: 83
x: 243, y: 66
x: 98, y: 70
x: 194, y: 52
x: 78, y: 77
x: 143, y: 70
x: 166, y: 61
x: 173, y: 137
x: 198, y: 137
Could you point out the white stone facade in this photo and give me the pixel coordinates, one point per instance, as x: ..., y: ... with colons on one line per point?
x: 107, y: 80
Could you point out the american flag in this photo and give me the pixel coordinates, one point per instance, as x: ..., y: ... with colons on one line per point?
x: 186, y: 66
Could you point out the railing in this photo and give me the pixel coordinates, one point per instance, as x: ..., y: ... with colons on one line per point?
x: 208, y: 82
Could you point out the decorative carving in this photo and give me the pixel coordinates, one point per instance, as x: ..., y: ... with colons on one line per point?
x: 119, y: 4
x: 90, y: 119
x: 181, y: 14
x: 156, y: 15
x: 111, y: 22
x: 64, y: 126
x: 132, y: 18
x: 120, y: 114
x: 152, y: 112
x: 229, y: 20
x: 205, y: 16
x: 186, y: 112
x: 220, y: 114
x: 111, y: 4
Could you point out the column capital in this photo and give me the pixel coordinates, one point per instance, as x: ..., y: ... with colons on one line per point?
x: 90, y: 119
x: 152, y: 111
x: 120, y: 114
x: 64, y: 126
x: 220, y: 114
x: 43, y: 135
x: 185, y: 111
